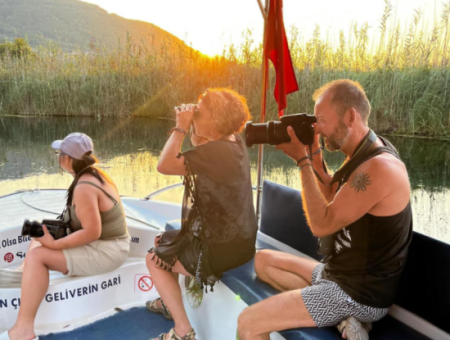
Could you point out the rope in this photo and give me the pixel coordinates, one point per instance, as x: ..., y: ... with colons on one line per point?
x: 55, y: 213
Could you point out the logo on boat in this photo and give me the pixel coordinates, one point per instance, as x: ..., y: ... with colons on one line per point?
x: 14, y: 241
x: 144, y: 282
x: 9, y: 257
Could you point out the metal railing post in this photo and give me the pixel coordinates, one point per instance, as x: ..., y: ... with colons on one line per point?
x: 265, y: 66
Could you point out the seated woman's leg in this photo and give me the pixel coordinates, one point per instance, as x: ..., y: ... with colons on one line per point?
x: 284, y: 271
x: 35, y: 283
x: 167, y: 285
x: 33, y: 244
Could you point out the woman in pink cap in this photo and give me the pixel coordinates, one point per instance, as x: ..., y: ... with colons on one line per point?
x: 99, y: 241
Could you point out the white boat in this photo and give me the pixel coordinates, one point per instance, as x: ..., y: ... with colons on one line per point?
x: 80, y: 304
x: 102, y: 307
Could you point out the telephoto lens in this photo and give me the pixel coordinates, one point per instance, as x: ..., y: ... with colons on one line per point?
x: 275, y: 133
x: 33, y: 229
x: 57, y: 228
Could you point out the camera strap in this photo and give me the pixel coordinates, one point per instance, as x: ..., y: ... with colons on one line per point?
x: 355, y: 160
x: 363, y: 153
x: 326, y: 244
x: 63, y: 214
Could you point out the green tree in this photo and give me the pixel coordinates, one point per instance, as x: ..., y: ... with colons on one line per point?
x: 17, y: 49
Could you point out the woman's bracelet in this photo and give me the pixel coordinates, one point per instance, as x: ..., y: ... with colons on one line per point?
x: 177, y: 129
x: 302, y: 159
x: 306, y: 164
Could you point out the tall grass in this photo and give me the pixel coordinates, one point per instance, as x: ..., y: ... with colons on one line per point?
x: 404, y: 70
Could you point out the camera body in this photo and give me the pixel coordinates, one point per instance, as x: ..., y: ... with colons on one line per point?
x: 275, y: 133
x: 57, y: 228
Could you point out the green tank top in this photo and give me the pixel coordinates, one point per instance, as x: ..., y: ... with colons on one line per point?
x: 113, y: 220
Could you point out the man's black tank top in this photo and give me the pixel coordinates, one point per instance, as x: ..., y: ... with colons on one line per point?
x: 370, y: 254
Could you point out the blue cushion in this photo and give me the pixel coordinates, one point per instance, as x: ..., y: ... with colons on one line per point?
x: 427, y: 257
x: 282, y: 218
x: 173, y: 224
x: 243, y: 282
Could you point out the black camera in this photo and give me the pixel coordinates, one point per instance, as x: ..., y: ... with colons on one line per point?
x: 275, y: 133
x: 56, y: 228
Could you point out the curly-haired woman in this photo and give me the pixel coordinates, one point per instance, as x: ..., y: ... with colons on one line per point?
x: 219, y: 227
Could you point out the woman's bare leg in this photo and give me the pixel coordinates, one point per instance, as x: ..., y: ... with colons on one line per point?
x: 168, y: 288
x: 33, y: 244
x: 35, y: 281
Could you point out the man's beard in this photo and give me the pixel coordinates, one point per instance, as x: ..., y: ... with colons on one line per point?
x: 336, y: 139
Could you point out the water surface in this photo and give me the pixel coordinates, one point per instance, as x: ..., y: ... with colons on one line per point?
x: 129, y: 148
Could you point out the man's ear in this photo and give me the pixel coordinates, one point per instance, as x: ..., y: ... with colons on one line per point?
x: 351, y: 116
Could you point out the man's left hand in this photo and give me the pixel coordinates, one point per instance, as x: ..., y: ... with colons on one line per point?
x: 294, y: 149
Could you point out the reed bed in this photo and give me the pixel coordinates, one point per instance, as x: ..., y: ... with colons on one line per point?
x: 405, y: 71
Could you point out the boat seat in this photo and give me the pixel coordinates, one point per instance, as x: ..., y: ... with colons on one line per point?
x: 173, y: 224
x: 280, y: 201
x: 244, y: 283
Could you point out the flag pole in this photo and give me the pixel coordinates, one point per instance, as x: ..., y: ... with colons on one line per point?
x: 265, y: 66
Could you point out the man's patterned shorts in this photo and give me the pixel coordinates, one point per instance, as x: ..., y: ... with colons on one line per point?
x: 328, y: 304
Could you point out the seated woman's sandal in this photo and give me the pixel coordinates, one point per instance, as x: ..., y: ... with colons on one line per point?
x: 173, y: 336
x: 153, y: 307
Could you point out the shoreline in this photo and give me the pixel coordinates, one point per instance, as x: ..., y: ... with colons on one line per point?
x: 403, y: 135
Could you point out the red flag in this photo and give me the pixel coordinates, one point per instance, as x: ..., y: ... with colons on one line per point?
x: 277, y: 50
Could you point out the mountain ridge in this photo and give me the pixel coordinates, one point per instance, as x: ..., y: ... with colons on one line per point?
x: 77, y: 25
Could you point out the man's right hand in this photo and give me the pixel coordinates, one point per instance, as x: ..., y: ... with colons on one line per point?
x: 295, y: 148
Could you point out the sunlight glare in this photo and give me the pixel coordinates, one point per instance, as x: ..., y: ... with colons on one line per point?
x: 212, y: 26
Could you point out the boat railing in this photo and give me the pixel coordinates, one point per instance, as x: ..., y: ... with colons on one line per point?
x: 25, y: 191
x: 21, y: 191
x: 160, y: 191
x: 170, y: 187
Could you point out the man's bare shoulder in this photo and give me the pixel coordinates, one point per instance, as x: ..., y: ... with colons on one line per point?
x: 388, y: 165
x: 388, y: 178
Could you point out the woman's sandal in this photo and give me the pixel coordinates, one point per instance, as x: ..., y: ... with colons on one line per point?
x: 352, y: 329
x: 173, y: 336
x: 153, y: 307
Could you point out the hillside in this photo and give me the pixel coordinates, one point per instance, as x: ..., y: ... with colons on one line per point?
x: 73, y: 25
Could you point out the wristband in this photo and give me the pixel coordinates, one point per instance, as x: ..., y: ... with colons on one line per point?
x: 177, y: 129
x: 301, y: 166
x: 302, y: 159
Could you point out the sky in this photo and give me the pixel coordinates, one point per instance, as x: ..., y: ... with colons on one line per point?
x: 209, y: 25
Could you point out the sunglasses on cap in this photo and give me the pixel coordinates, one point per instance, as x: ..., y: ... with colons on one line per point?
x: 59, y: 153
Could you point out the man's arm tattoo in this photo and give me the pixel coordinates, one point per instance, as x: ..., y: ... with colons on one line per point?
x: 360, y: 181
